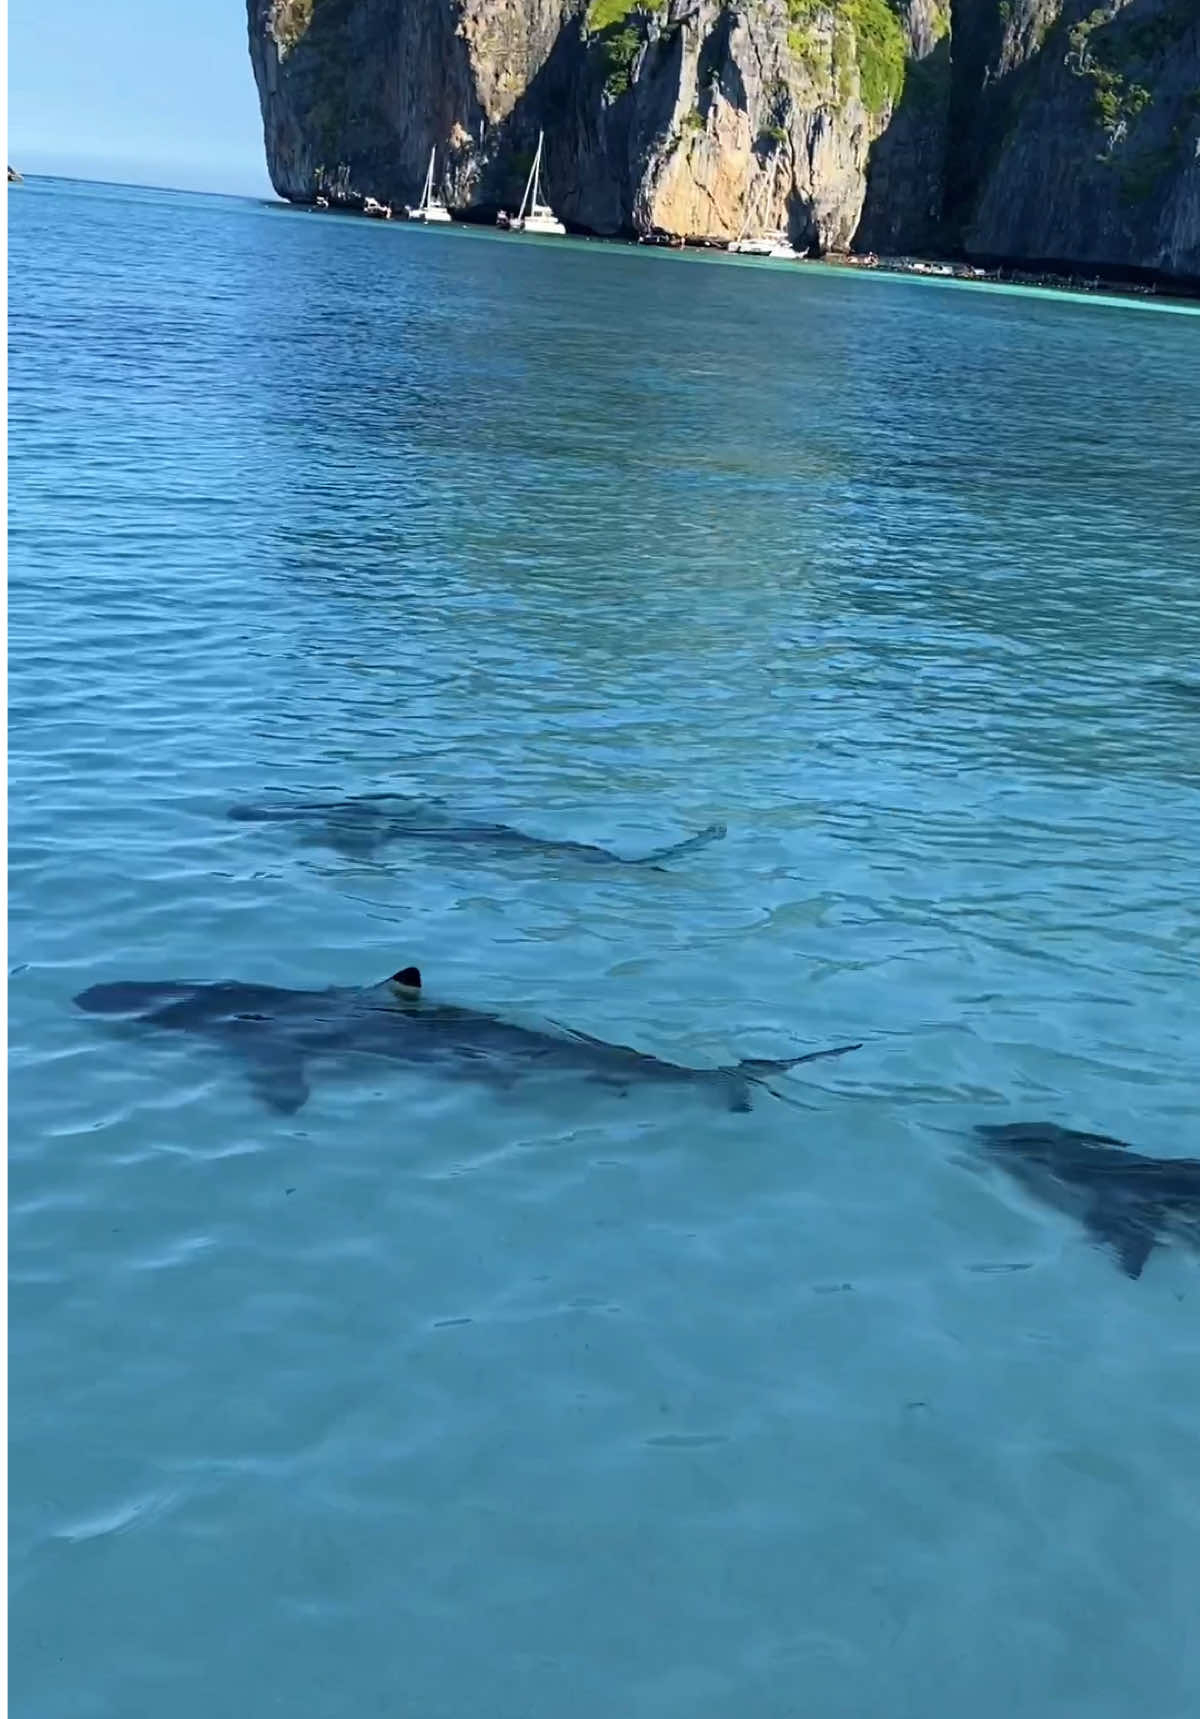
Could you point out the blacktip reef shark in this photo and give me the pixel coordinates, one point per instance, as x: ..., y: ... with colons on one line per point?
x: 1125, y: 1201
x: 280, y: 1036
x: 360, y: 826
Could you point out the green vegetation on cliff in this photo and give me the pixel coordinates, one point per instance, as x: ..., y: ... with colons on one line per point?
x: 603, y: 14
x: 1119, y: 56
x: 866, y: 33
x: 801, y: 39
x: 614, y: 26
x: 1116, y: 99
x: 882, y: 52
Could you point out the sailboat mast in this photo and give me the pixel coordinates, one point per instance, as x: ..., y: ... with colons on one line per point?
x: 427, y: 194
x: 537, y: 174
x: 531, y: 184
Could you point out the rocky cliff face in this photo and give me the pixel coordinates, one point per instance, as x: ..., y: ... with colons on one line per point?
x: 907, y: 168
x: 1048, y: 130
x: 1087, y: 134
x: 695, y: 119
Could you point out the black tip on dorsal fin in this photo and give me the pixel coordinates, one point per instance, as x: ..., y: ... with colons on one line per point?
x: 409, y: 976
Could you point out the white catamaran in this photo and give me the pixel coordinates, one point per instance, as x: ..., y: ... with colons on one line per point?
x: 774, y: 244
x: 430, y: 208
x: 534, y: 216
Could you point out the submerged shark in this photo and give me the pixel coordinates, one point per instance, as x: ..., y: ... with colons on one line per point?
x: 1125, y: 1201
x: 1180, y: 688
x: 279, y: 1035
x: 360, y: 826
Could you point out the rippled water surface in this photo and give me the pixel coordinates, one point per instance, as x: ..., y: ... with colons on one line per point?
x: 517, y: 1400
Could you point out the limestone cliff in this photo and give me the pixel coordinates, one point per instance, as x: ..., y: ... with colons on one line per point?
x: 906, y: 176
x: 1085, y: 133
x: 1049, y: 130
x: 693, y: 118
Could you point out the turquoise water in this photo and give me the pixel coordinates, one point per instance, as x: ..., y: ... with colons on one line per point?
x: 439, y: 1400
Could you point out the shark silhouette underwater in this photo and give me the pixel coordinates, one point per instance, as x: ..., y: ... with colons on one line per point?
x: 1125, y: 1201
x: 360, y: 826
x: 280, y: 1035
x: 1180, y: 689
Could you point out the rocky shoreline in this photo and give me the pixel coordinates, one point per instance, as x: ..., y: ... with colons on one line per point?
x: 1003, y: 274
x: 1054, y: 279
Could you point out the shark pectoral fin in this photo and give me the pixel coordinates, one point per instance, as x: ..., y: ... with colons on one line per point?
x: 759, y: 1066
x: 354, y: 844
x: 604, y: 1077
x: 755, y: 1070
x: 1130, y: 1231
x: 702, y: 839
x: 277, y: 1079
x: 737, y: 1090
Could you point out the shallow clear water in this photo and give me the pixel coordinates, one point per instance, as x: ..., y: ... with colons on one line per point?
x: 436, y: 1399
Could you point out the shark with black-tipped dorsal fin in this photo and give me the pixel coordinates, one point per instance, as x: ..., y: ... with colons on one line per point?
x: 281, y: 1036
x: 360, y: 826
x: 1125, y: 1201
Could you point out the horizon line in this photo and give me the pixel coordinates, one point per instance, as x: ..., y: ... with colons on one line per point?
x: 270, y: 195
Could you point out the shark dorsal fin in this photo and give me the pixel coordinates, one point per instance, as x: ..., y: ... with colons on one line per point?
x: 408, y: 976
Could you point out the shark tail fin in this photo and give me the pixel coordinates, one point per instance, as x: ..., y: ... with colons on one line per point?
x: 702, y: 839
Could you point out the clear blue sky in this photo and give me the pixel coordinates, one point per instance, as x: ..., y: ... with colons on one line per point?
x: 153, y: 91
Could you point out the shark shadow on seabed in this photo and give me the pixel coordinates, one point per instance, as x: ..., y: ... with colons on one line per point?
x: 280, y: 1037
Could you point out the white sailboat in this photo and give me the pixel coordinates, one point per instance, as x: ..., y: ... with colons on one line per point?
x: 534, y: 216
x: 430, y: 208
x: 773, y: 244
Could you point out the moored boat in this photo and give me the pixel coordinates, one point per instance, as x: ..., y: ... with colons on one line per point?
x: 533, y: 216
x: 430, y: 208
x: 765, y: 245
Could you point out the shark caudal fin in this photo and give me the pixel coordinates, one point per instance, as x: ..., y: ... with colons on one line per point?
x: 702, y: 839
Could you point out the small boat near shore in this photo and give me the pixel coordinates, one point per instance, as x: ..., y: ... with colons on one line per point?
x: 765, y: 245
x: 533, y: 216
x: 767, y: 242
x: 430, y: 208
